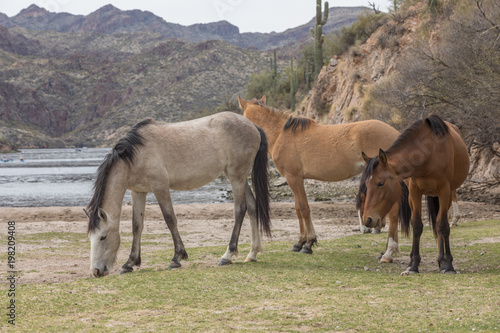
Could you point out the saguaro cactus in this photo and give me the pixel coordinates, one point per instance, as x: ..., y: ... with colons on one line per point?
x: 294, y: 82
x: 318, y: 36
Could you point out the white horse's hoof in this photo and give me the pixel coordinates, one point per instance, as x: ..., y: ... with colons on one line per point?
x: 224, y: 262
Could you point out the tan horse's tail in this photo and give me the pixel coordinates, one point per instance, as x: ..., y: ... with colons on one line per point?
x: 260, y: 183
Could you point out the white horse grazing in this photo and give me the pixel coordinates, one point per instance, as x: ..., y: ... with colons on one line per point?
x: 156, y: 157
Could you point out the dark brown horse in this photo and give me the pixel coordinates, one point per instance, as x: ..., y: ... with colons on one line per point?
x: 433, y: 157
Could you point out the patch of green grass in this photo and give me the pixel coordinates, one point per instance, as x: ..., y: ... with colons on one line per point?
x: 341, y: 287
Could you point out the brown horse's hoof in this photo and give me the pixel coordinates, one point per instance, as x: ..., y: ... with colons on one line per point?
x: 385, y: 260
x: 296, y: 248
x: 306, y: 250
x: 224, y: 262
x: 408, y: 272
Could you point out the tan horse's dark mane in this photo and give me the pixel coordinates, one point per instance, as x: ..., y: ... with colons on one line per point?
x: 292, y: 123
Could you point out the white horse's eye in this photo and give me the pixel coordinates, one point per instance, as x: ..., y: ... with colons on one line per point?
x: 103, y: 238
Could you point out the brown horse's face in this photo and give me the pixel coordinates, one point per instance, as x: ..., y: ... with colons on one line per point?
x: 383, y: 190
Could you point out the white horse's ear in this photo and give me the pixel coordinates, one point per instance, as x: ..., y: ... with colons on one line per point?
x: 86, y: 213
x: 365, y: 157
x: 263, y: 99
x: 242, y: 102
x: 382, y: 157
x: 102, y: 215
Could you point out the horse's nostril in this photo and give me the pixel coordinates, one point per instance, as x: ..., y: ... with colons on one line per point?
x: 369, y: 222
x: 96, y: 272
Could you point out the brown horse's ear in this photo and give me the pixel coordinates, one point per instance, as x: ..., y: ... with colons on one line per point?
x: 382, y: 157
x: 86, y: 213
x: 263, y: 99
x: 242, y: 102
x: 365, y: 157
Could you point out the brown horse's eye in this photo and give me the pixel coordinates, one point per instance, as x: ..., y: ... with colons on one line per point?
x: 380, y: 184
x: 103, y: 238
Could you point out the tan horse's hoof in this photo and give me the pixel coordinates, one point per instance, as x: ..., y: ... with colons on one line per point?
x: 250, y: 260
x: 306, y: 250
x: 296, y: 248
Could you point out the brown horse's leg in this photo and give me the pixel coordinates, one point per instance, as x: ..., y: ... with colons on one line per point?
x: 138, y: 207
x: 415, y: 199
x: 307, y: 234
x: 392, y: 245
x: 445, y: 258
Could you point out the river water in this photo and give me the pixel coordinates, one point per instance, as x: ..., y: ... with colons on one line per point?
x: 64, y: 177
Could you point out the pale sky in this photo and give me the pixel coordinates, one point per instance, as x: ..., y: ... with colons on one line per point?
x: 248, y: 15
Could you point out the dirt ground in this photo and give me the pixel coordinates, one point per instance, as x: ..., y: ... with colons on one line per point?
x: 45, y: 258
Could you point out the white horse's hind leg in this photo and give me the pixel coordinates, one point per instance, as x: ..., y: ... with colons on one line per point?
x: 240, y: 209
x: 138, y: 207
x: 256, y: 245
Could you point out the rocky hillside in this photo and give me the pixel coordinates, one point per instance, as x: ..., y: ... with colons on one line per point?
x: 85, y: 99
x: 342, y: 92
x: 69, y: 80
x: 339, y: 92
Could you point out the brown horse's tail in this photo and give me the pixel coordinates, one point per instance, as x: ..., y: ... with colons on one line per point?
x: 260, y: 183
x: 433, y: 209
x: 404, y: 209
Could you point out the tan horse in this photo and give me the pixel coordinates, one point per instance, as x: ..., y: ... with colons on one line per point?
x: 303, y: 149
x: 433, y: 157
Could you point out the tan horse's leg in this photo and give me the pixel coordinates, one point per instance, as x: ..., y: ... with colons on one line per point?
x: 138, y: 207
x: 307, y: 236
x: 256, y: 245
x: 392, y: 245
x: 455, y: 212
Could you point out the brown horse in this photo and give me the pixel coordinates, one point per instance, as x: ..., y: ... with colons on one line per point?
x: 303, y: 149
x: 433, y: 157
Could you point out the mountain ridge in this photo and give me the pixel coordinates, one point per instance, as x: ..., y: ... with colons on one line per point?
x: 109, y: 19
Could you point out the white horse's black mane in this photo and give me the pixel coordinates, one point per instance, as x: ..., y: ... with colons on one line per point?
x: 124, y: 150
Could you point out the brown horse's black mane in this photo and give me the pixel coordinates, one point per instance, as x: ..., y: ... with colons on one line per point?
x: 293, y: 122
x: 123, y: 150
x: 437, y: 125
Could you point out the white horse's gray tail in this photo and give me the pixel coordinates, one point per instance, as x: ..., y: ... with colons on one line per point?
x: 260, y: 183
